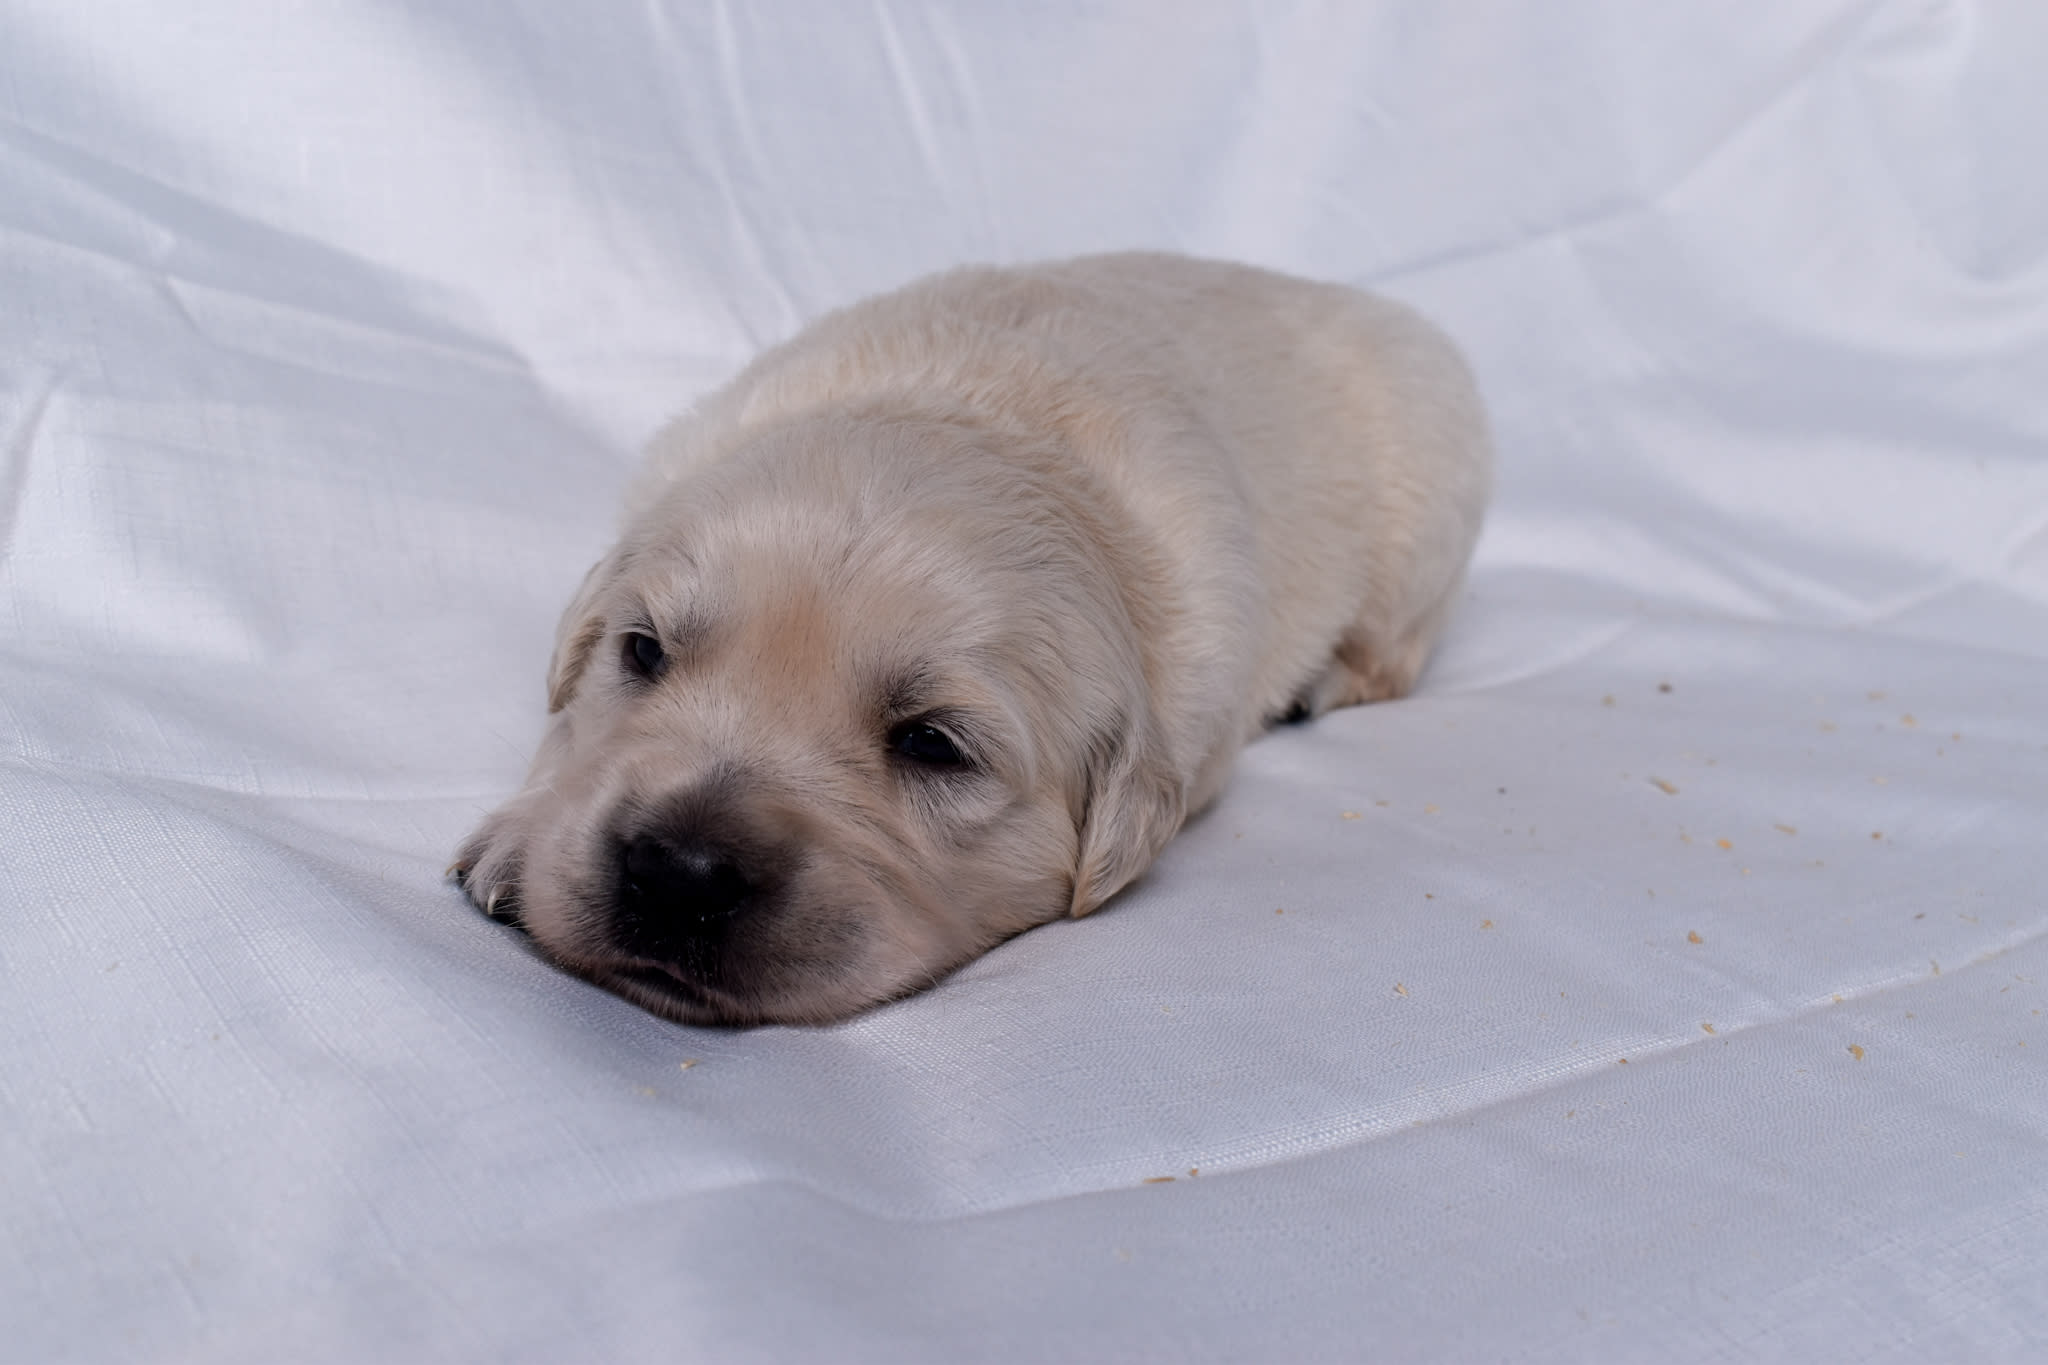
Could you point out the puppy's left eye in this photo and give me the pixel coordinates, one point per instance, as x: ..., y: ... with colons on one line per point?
x: 927, y: 744
x: 643, y: 654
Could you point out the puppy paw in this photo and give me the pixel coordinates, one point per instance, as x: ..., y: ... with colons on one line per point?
x: 487, y: 870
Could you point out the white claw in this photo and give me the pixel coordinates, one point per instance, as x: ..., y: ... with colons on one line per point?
x: 491, y: 901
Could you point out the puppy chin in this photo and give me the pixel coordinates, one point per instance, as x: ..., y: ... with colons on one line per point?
x: 675, y: 995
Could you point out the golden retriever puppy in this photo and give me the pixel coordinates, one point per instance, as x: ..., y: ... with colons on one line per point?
x: 939, y: 620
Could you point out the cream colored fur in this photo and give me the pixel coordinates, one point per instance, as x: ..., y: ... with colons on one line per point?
x: 1105, y: 519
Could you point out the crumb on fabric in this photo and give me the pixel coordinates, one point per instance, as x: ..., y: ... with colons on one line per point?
x: 1856, y: 1052
x: 1693, y: 936
x: 1663, y: 687
x: 1705, y: 1025
x: 686, y: 1063
x: 1722, y: 843
x: 1607, y: 700
x: 1661, y: 785
x: 1786, y: 829
x: 1429, y: 810
x: 1348, y: 815
x: 1486, y: 924
x: 1400, y: 989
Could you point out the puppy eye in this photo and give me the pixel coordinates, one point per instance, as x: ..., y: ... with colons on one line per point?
x: 643, y: 654
x: 926, y: 744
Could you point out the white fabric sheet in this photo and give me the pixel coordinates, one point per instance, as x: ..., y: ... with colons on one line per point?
x: 1663, y: 982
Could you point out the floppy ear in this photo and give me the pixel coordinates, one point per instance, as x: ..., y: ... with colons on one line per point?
x: 1134, y: 805
x: 578, y: 633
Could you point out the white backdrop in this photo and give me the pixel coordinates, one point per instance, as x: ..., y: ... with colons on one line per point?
x: 1663, y: 982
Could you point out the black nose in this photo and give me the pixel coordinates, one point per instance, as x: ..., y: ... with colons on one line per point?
x: 676, y: 895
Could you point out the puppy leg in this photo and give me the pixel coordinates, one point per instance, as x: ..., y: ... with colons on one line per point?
x: 1378, y: 665
x: 1369, y: 665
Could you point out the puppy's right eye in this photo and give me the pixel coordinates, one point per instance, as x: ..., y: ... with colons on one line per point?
x: 643, y: 654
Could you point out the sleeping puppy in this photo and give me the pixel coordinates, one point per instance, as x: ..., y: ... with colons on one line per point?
x: 940, y: 619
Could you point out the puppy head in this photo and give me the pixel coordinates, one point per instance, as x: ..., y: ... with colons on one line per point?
x: 837, y: 714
